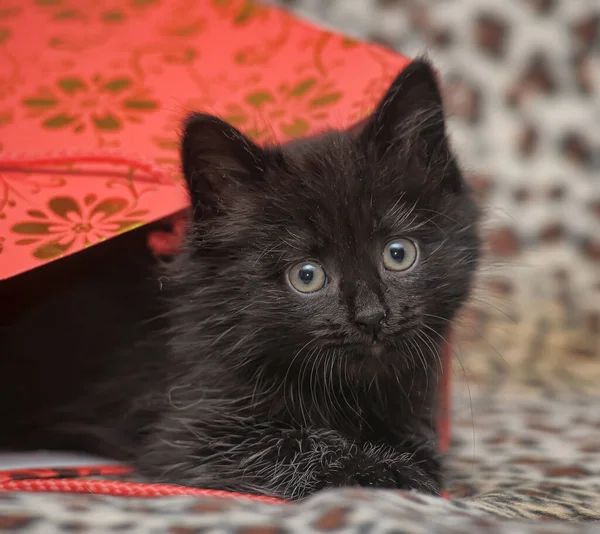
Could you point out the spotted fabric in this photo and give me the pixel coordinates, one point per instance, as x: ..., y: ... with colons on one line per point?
x: 513, y: 464
x: 522, y: 83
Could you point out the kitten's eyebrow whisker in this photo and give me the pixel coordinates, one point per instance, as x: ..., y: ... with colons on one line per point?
x: 294, y: 236
x: 393, y: 208
x: 439, y: 247
x: 425, y: 223
x: 265, y: 251
x: 398, y: 214
x: 426, y: 210
x: 287, y: 243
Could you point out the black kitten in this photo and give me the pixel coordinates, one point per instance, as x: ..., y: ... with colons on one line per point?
x: 301, y: 345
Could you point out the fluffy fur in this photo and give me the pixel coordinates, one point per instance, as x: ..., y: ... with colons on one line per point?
x: 245, y: 384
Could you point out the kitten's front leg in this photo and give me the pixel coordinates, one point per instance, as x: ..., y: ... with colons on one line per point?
x: 305, y: 461
x: 425, y: 454
x: 268, y: 459
x: 381, y: 466
x: 422, y: 447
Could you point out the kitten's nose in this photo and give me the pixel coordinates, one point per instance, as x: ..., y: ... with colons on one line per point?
x: 369, y: 320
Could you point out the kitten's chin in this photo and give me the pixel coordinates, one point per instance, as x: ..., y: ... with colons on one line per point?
x: 377, y: 350
x: 363, y: 360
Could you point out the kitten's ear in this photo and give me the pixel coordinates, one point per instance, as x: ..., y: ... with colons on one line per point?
x: 410, y: 112
x: 217, y: 159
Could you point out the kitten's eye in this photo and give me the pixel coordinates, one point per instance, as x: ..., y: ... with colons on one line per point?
x: 307, y: 277
x: 400, y: 254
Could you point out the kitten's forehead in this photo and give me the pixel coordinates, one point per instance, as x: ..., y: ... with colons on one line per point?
x: 335, y: 194
x: 331, y: 171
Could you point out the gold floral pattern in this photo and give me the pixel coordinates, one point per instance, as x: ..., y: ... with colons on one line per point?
x: 240, y: 11
x: 290, y: 108
x: 68, y: 223
x: 180, y: 22
x: 112, y: 12
x: 22, y: 187
x: 101, y: 103
x: 9, y: 66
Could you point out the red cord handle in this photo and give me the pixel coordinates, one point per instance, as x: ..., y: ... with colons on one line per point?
x: 127, y: 489
x: 122, y: 489
x: 20, y: 161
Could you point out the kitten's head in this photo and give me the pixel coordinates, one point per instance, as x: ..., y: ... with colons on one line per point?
x: 359, y: 245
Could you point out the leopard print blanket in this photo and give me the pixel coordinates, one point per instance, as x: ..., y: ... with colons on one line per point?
x: 522, y: 79
x: 515, y: 460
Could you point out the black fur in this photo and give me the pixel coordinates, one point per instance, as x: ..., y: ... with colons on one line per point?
x: 244, y: 384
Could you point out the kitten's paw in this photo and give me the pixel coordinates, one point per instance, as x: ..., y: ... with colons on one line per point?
x: 381, y: 467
